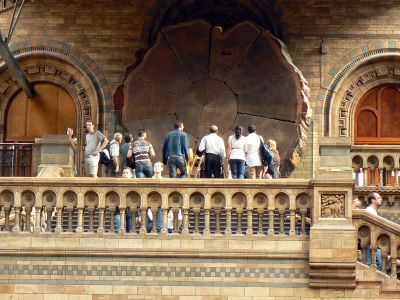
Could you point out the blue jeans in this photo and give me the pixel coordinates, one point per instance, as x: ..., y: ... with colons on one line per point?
x: 237, y: 168
x: 149, y: 226
x: 144, y: 171
x: 174, y: 163
x: 128, y: 220
x: 117, y: 219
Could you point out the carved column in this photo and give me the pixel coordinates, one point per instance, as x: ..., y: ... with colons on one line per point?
x: 292, y: 230
x: 112, y: 218
x: 121, y: 229
x: 175, y: 212
x: 365, y: 171
x: 260, y: 212
x: 393, y: 262
x: 91, y: 218
x: 380, y: 176
x: 48, y: 222
x: 17, y: 212
x: 196, y: 212
x: 79, y: 228
x: 143, y: 213
x: 249, y: 230
x: 70, y: 211
x: 373, y: 257
x: 100, y: 229
x: 271, y: 230
x: 206, y: 221
x: 228, y: 229
x: 281, y: 221
x: 239, y: 212
x: 217, y: 212
x: 59, y: 220
x: 37, y: 219
x: 185, y: 230
x: 303, y: 212
x: 396, y: 177
x: 164, y: 229
x: 28, y: 211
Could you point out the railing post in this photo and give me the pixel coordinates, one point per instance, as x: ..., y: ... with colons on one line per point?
x: 271, y: 230
x: 121, y: 230
x: 380, y: 177
x: 185, y: 230
x: 91, y: 210
x: 37, y: 219
x: 206, y: 221
x: 100, y: 229
x: 239, y: 212
x: 303, y: 212
x: 70, y: 211
x: 260, y: 212
x: 196, y: 212
x: 112, y: 219
x: 281, y: 221
x: 143, y: 215
x: 396, y: 177
x: 48, y: 222
x: 16, y: 228
x: 59, y: 218
x: 79, y: 228
x: 175, y: 212
x: 164, y: 229
x: 373, y: 257
x: 217, y: 212
x: 28, y: 211
x: 228, y: 229
x: 133, y: 219
x: 292, y: 230
x: 365, y: 170
x: 393, y: 262
x: 249, y: 230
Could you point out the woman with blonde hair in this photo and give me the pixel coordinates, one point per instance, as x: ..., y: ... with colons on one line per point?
x: 273, y: 169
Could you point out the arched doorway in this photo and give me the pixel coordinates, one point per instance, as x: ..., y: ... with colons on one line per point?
x: 51, y: 111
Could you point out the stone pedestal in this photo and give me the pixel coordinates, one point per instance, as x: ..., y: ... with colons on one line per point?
x: 333, y: 245
x: 54, y: 156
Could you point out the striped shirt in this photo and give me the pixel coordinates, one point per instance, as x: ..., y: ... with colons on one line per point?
x: 141, y: 150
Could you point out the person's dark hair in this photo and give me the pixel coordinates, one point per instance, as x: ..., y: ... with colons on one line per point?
x: 371, y: 196
x: 141, y: 132
x: 251, y: 128
x: 238, y: 132
x: 178, y: 124
x: 128, y: 137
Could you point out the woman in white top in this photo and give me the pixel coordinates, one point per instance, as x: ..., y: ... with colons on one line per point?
x: 236, y: 153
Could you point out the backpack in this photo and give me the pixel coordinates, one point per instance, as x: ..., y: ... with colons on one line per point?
x: 105, y: 155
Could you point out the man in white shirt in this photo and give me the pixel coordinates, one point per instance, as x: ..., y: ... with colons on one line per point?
x: 113, y: 167
x: 374, y: 201
x: 253, y: 157
x: 214, y: 148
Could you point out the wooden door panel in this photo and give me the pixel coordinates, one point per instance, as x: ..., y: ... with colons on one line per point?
x: 16, y: 121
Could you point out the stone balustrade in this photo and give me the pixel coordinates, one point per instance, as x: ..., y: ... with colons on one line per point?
x: 207, y: 207
x: 376, y: 167
x: 375, y: 233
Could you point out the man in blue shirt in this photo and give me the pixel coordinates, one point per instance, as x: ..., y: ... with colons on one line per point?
x: 175, y: 150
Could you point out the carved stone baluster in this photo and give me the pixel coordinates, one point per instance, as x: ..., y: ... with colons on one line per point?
x: 260, y: 212
x: 17, y: 212
x: 143, y: 212
x: 380, y: 176
x: 59, y: 220
x: 228, y: 229
x: 48, y: 222
x: 154, y: 211
x: 121, y: 229
x: 185, y: 230
x: 28, y: 211
x: 372, y: 177
x: 91, y: 219
x: 271, y: 230
x: 373, y: 257
x: 239, y: 212
x: 37, y: 219
x: 196, y: 212
x: 217, y: 220
x: 133, y: 219
x: 206, y: 221
x: 292, y: 230
x: 79, y: 228
x: 21, y: 219
x: 281, y: 221
x: 396, y: 177
x: 70, y: 211
x: 175, y: 212
x: 7, y: 211
x: 249, y: 230
x: 100, y: 229
x: 303, y: 212
x: 393, y: 262
x: 112, y: 218
x: 164, y: 229
x: 365, y: 183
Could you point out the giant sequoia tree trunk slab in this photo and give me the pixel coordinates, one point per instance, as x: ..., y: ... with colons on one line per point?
x: 198, y: 74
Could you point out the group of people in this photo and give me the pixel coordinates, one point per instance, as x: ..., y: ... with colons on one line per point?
x: 244, y: 154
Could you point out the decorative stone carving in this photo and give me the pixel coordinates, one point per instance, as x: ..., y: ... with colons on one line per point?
x: 239, y: 200
x: 6, y: 5
x: 112, y: 199
x: 260, y: 200
x: 175, y: 200
x: 154, y: 199
x: 7, y: 198
x: 332, y: 205
x: 196, y: 200
x: 28, y: 199
x: 133, y: 199
x: 70, y: 199
x: 218, y: 200
x: 91, y: 199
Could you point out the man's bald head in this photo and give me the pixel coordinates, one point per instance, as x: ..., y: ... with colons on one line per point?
x: 213, y: 129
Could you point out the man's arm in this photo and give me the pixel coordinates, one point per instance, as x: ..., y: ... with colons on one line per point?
x: 222, y: 149
x: 164, y: 150
x: 186, y: 146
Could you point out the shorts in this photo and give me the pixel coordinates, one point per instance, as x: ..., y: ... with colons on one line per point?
x: 92, y: 164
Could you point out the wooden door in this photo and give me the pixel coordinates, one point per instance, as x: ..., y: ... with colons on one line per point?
x: 51, y: 111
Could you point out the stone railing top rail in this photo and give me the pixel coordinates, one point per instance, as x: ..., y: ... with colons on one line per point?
x: 378, y: 221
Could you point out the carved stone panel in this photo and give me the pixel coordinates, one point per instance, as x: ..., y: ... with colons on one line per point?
x: 154, y: 200
x: 175, y: 200
x: 7, y: 199
x: 332, y: 205
x: 70, y: 199
x: 28, y: 199
x: 91, y: 199
x: 196, y: 200
x: 133, y: 199
x: 218, y: 200
x: 49, y: 199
